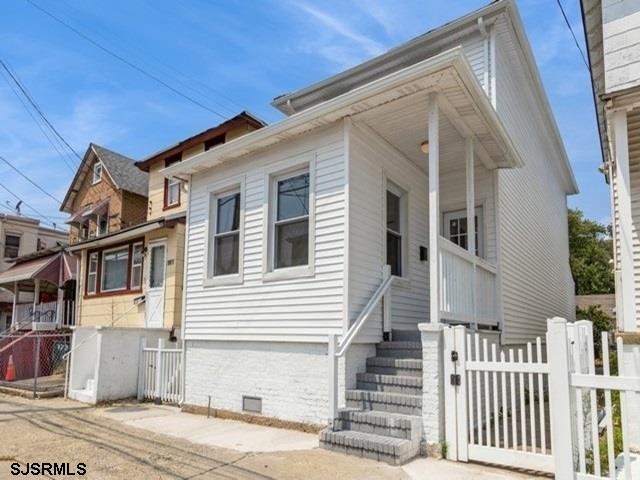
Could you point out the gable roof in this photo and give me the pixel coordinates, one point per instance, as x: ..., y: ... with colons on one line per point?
x: 243, y: 118
x: 122, y: 171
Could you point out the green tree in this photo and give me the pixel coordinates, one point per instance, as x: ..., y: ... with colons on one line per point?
x: 591, y: 254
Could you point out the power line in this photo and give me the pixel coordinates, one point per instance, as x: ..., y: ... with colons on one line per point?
x: 125, y: 61
x: 62, y: 156
x: 28, y: 179
x: 584, y: 58
x: 37, y: 108
x: 40, y: 214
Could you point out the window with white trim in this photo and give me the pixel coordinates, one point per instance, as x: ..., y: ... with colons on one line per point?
x: 102, y: 224
x: 225, y: 244
x: 173, y: 192
x: 396, y: 225
x: 92, y: 273
x: 136, y: 265
x: 115, y: 266
x: 455, y: 229
x: 97, y: 172
x: 290, y: 219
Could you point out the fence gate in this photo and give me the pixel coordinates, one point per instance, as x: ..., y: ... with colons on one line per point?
x: 160, y: 374
x: 496, y: 402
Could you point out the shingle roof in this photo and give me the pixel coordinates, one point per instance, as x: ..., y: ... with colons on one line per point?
x: 123, y: 171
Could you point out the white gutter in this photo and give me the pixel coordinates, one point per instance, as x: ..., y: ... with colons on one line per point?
x: 340, y: 106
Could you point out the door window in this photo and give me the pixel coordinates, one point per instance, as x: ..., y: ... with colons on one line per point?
x: 156, y: 268
x: 456, y: 229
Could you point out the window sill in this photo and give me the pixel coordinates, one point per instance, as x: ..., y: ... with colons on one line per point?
x: 304, y: 271
x: 113, y: 293
x: 222, y: 280
x: 169, y: 207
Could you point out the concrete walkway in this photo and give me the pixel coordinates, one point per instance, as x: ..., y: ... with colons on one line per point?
x: 245, y: 437
x: 214, y: 432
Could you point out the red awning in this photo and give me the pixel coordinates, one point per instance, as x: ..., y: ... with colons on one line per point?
x: 87, y: 211
x: 44, y: 268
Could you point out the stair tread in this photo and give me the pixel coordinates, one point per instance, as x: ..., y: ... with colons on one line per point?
x: 409, y: 363
x: 367, y: 441
x: 398, y: 345
x: 365, y: 415
x: 401, y: 380
x: 384, y: 397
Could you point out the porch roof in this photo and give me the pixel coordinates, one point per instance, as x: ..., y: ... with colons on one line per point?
x: 461, y: 96
x: 47, y: 268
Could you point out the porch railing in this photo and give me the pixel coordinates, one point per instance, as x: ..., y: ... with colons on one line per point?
x: 467, y: 293
x: 46, y: 312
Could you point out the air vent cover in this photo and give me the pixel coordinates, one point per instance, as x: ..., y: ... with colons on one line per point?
x: 251, y: 404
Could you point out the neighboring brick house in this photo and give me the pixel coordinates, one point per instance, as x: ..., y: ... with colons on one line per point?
x: 108, y: 193
x: 133, y: 277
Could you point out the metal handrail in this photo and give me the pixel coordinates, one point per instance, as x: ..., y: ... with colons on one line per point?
x: 338, y: 349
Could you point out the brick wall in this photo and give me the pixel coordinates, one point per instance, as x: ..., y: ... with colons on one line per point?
x: 134, y: 209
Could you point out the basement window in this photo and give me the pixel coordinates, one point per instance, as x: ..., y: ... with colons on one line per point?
x: 251, y: 404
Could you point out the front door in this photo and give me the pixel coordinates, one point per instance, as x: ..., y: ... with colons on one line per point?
x: 154, y: 308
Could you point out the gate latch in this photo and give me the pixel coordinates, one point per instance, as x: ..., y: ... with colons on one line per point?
x: 454, y: 356
x: 455, y: 379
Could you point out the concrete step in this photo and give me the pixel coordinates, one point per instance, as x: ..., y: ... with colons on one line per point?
x: 399, y: 349
x: 395, y: 366
x: 384, y: 402
x: 394, y: 451
x: 408, y: 427
x: 406, y: 335
x: 389, y: 383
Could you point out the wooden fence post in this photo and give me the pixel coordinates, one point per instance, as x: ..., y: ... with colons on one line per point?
x: 560, y: 397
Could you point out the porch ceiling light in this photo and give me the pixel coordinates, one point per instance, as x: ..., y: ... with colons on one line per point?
x: 424, y: 146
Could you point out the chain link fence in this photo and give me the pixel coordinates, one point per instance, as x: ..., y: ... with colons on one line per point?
x: 32, y: 362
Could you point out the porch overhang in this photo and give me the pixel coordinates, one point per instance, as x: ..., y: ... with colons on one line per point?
x: 52, y: 269
x: 449, y: 74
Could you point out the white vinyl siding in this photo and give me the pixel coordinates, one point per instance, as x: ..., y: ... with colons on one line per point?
x: 532, y: 210
x: 298, y: 309
x: 621, y: 44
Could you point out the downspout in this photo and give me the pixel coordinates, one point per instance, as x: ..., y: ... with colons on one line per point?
x: 183, y: 312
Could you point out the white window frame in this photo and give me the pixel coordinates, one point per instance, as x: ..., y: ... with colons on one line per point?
x: 216, y: 190
x: 104, y: 253
x: 171, y: 183
x: 90, y: 273
x: 305, y: 163
x: 99, y: 231
x: 462, y: 213
x: 403, y: 193
x: 12, y: 234
x: 138, y: 265
x: 97, y: 177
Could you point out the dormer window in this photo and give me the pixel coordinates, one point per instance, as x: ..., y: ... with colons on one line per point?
x: 97, y: 172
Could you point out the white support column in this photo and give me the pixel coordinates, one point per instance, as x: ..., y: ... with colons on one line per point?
x: 36, y: 294
x: 627, y: 319
x: 471, y: 220
x: 434, y: 208
x: 16, y: 295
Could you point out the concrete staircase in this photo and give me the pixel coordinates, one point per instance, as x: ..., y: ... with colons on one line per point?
x: 383, y: 418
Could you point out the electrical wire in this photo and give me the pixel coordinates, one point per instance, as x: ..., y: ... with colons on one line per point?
x: 40, y: 214
x: 125, y: 61
x: 584, y: 58
x: 28, y: 179
x: 37, y: 108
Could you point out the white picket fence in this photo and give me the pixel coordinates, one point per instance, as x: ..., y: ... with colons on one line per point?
x: 160, y: 374
x: 550, y: 413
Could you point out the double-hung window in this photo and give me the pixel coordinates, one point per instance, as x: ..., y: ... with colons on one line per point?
x: 136, y: 265
x: 97, y: 172
x: 92, y: 273
x: 11, y: 246
x: 291, y: 219
x: 226, y: 233
x: 115, y: 266
x: 172, y: 185
x: 396, y: 228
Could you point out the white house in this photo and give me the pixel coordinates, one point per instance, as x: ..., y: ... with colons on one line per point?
x: 293, y: 229
x: 612, y: 33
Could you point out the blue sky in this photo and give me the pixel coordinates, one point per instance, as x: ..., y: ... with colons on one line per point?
x: 232, y: 56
